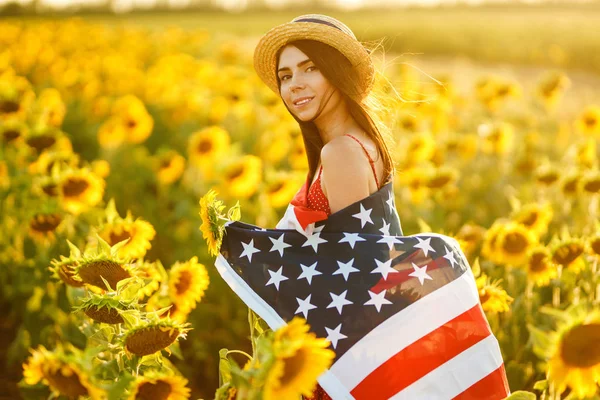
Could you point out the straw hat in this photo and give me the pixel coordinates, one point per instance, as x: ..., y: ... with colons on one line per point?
x: 317, y: 27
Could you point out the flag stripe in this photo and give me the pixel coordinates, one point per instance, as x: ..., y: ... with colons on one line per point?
x: 458, y: 374
x: 406, y: 327
x: 424, y: 355
x: 481, y: 389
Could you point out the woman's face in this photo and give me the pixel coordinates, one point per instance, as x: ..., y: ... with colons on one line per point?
x: 303, y: 88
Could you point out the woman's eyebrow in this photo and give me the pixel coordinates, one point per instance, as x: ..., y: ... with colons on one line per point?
x: 301, y: 63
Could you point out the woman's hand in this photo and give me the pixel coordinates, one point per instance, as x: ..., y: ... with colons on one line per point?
x: 346, y: 172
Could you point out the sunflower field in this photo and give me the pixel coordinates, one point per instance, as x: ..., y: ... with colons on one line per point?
x: 110, y: 136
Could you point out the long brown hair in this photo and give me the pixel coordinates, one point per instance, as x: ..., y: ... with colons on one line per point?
x: 336, y: 68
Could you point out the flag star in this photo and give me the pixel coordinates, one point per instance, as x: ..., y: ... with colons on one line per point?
x: 318, y: 228
x: 420, y: 273
x: 249, y: 249
x: 384, y: 268
x: 276, y: 278
x: 333, y: 335
x: 314, y: 240
x: 377, y: 300
x: 450, y: 256
x: 279, y: 245
x: 385, y: 229
x: 304, y: 306
x: 339, y: 301
x: 390, y: 202
x: 351, y: 239
x: 390, y: 241
x: 364, y: 216
x: 424, y: 245
x: 309, y: 272
x: 345, y: 269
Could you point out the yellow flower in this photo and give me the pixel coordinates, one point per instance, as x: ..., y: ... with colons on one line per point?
x: 567, y: 253
x: 540, y: 268
x: 210, y: 213
x: 134, y: 118
x: 588, y: 121
x: 4, y: 175
x: 514, y: 240
x: 152, y: 273
x: 300, y: 358
x: 298, y: 160
x: 50, y: 108
x: 497, y: 139
x: 570, y: 183
x: 281, y: 188
x: 207, y: 146
x: 187, y: 283
x: 151, y: 337
x: 574, y: 354
x: 79, y: 189
x: 169, y: 167
x: 590, y: 183
x: 61, y: 372
x: 242, y: 176
x: 547, y: 174
x: 469, y: 237
x: 42, y: 226
x: 534, y: 216
x: 16, y: 97
x: 116, y: 229
x: 274, y: 144
x: 65, y: 270
x: 159, y: 302
x: 157, y: 384
x: 13, y: 131
x: 101, y: 168
x: 420, y: 147
x: 593, y: 245
x: 551, y: 88
x: 493, y: 298
x: 442, y: 177
x: 111, y: 133
x: 48, y: 138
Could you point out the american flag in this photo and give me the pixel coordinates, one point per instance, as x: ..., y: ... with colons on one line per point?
x: 402, y: 313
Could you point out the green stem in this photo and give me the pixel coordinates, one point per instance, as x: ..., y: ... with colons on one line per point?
x: 239, y: 352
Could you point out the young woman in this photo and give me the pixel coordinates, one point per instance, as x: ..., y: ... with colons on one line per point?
x: 402, y: 313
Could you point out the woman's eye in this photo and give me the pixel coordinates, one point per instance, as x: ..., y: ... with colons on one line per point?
x: 312, y: 66
x: 283, y: 77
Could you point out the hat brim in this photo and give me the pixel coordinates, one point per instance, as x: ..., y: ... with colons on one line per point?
x: 265, y: 53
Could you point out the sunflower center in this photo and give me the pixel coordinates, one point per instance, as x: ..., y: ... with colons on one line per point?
x: 150, y: 340
x: 590, y: 121
x: 166, y: 163
x: 69, y: 386
x: 580, y: 347
x: 50, y: 189
x: 66, y: 274
x: 115, y: 238
x: 538, y: 262
x: 131, y: 123
x: 567, y: 253
x: 484, y: 296
x: 529, y: 219
x: 10, y: 135
x: 92, y: 273
x: 595, y: 245
x: 204, y: 146
x: 153, y: 391
x: 184, y: 283
x: 548, y: 178
x: 570, y: 186
x: 592, y: 186
x: 235, y: 172
x: 9, y: 106
x: 515, y: 243
x: 292, y: 367
x: 75, y: 186
x: 41, y: 142
x: 276, y: 187
x: 45, y: 223
x: 439, y: 181
x: 104, y: 314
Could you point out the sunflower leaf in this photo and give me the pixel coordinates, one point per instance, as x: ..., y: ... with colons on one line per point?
x: 521, y: 395
x: 541, y: 385
x: 103, y: 246
x: 75, y: 252
x: 110, y: 289
x: 176, y: 350
x: 120, y: 386
x: 224, y: 367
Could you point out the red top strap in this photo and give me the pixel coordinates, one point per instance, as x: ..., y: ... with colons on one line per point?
x: 369, y: 157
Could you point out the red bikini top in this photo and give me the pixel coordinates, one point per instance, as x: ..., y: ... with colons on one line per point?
x: 316, y: 199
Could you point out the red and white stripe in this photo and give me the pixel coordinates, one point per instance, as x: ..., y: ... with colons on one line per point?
x: 440, y: 347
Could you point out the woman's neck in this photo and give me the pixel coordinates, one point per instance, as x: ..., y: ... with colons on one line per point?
x: 336, y: 123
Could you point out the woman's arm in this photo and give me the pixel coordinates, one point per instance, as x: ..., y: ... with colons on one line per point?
x: 346, y: 172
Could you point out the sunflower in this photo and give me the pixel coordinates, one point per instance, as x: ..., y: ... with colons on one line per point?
x: 420, y: 147
x: 297, y: 157
x: 573, y: 351
x: 210, y: 215
x: 64, y: 269
x: 150, y: 337
x: 48, y: 138
x: 169, y: 166
x: 79, y: 189
x: 4, y: 175
x: 48, y: 159
x: 281, y: 187
x: 42, y: 226
x: 134, y: 118
x: 514, y: 240
x: 111, y: 133
x: 570, y: 183
x: 101, y: 168
x: 61, y: 371
x: 442, y: 177
x: 567, y: 252
x: 166, y: 308
x: 158, y: 385
x: 585, y: 153
x: 187, y: 283
x: 547, y: 174
x: 497, y: 139
x: 540, y: 267
x: 588, y: 121
x: 152, y: 274
x: 414, y: 180
x: 274, y: 144
x: 593, y: 245
x: 16, y: 97
x: 551, y: 88
x: 49, y: 108
x: 300, y: 358
x: 534, y: 216
x: 13, y: 131
x: 208, y: 145
x: 105, y: 308
x: 116, y: 229
x: 492, y: 297
x: 590, y: 182
x: 469, y: 237
x: 242, y: 176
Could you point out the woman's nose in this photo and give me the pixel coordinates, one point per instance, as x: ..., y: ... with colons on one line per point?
x: 296, y: 83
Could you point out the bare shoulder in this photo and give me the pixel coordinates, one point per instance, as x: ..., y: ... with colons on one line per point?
x: 341, y: 152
